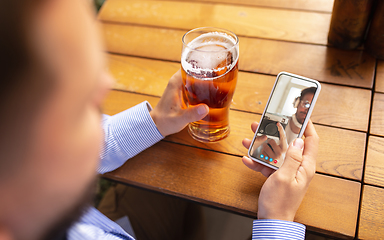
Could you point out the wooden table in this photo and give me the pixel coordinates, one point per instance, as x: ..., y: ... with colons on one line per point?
x: 143, y: 46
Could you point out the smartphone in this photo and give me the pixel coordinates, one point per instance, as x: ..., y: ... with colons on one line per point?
x: 284, y: 118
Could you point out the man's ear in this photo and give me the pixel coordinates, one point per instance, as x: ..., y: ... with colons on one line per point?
x: 5, y: 234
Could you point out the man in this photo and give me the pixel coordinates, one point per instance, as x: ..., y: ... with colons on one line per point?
x: 53, y: 83
x: 302, y: 104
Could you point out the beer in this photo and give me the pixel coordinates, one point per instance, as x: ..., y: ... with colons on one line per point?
x: 209, y: 72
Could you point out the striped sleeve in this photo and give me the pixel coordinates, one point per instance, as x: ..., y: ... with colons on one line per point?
x: 277, y: 229
x: 126, y: 134
x: 93, y: 225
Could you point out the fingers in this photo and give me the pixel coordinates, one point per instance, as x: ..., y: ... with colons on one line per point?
x: 175, y: 83
x: 283, y: 137
x: 272, y: 150
x: 300, y: 160
x: 247, y: 143
x: 260, y: 139
x: 176, y: 78
x: 310, y: 130
x: 293, y: 159
x: 273, y: 145
x: 266, y: 171
x: 311, y: 142
x: 268, y: 151
x: 254, y: 126
x: 195, y: 113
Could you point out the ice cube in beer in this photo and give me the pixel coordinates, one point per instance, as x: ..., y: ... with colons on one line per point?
x: 209, y: 60
x: 223, y: 65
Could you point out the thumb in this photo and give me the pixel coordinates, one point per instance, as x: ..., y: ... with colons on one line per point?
x: 293, y: 158
x: 195, y: 113
x: 283, y: 137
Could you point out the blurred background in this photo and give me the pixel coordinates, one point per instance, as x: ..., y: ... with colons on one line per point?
x: 98, y: 4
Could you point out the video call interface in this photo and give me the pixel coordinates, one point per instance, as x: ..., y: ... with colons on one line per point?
x: 283, y: 119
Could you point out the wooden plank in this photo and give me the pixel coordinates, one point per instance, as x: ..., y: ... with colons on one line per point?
x: 377, y: 118
x: 279, y: 24
x: 350, y: 163
x: 223, y: 181
x: 337, y: 105
x: 140, y: 75
x: 372, y: 213
x: 326, y: 202
x: 330, y: 161
x: 181, y: 171
x: 354, y: 68
x: 151, y: 77
x: 374, y: 166
x: 313, y: 5
x: 380, y: 76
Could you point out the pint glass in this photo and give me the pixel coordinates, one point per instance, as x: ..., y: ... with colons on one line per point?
x: 209, y: 63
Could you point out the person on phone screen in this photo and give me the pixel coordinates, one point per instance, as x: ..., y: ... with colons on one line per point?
x: 275, y: 148
x: 302, y: 104
x: 54, y: 139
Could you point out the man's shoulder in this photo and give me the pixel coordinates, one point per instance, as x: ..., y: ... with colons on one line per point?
x: 93, y: 225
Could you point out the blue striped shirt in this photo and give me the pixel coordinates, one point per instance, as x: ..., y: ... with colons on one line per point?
x: 277, y: 229
x: 127, y: 134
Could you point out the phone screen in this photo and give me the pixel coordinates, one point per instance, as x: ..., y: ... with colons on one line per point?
x: 284, y: 119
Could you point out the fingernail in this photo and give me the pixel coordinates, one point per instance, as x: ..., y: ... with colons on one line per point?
x: 201, y: 110
x: 299, y: 143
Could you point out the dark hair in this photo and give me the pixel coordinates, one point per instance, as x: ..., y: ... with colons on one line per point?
x: 25, y: 81
x: 306, y: 91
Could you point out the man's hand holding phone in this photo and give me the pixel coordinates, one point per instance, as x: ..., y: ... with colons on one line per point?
x: 284, y: 190
x: 284, y: 119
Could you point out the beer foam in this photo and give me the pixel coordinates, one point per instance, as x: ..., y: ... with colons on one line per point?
x: 207, y: 52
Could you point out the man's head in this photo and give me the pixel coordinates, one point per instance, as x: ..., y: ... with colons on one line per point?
x: 53, y: 82
x: 304, y: 102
